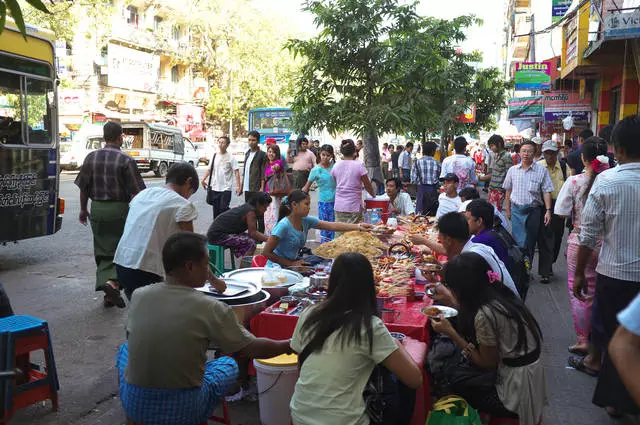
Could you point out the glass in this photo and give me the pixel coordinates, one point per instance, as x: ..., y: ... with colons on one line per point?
x: 11, y: 110
x: 38, y: 104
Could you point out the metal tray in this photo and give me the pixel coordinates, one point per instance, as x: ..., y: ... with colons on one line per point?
x: 237, y: 289
x: 254, y: 275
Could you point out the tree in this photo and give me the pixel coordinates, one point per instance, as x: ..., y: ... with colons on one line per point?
x: 15, y: 10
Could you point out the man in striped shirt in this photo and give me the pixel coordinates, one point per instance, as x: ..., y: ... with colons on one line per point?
x: 528, y: 188
x: 425, y: 173
x: 612, y: 213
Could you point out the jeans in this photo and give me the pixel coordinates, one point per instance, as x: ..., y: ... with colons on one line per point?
x: 525, y: 225
x: 132, y: 279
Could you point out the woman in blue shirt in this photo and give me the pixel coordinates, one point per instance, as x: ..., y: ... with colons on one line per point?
x: 290, y: 234
x: 321, y: 174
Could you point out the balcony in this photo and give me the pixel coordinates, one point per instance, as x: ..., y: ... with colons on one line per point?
x: 122, y: 31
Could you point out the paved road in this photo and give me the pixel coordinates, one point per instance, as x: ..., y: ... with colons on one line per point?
x: 53, y: 278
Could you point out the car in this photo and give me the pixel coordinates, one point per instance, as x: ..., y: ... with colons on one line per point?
x: 191, y: 154
x: 238, y: 149
x: 74, y: 155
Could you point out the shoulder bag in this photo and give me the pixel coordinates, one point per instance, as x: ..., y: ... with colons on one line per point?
x: 279, y: 184
x: 210, y: 194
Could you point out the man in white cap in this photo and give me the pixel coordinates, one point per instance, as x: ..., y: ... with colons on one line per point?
x: 538, y: 154
x: 550, y: 237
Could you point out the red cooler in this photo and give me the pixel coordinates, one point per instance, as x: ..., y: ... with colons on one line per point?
x: 383, y: 204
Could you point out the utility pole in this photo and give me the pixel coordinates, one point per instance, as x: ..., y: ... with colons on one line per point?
x: 231, y: 105
x: 532, y: 42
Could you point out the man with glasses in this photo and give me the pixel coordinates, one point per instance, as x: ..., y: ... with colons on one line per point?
x: 255, y: 162
x: 218, y: 180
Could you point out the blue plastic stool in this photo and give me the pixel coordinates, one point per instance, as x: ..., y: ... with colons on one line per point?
x: 216, y: 259
x: 24, y: 334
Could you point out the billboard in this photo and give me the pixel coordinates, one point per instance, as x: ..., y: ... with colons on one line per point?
x: 132, y: 69
x: 530, y: 107
x: 533, y: 76
x: 622, y: 25
x: 558, y: 9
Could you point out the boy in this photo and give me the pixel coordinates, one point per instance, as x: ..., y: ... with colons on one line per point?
x: 449, y: 201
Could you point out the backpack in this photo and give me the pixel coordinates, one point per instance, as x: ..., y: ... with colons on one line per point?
x: 518, y: 263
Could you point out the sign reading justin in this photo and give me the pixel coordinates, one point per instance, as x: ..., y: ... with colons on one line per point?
x: 132, y: 69
x: 533, y: 76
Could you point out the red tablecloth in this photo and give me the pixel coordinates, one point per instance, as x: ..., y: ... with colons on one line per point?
x: 410, y: 322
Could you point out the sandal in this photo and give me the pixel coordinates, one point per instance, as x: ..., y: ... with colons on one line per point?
x: 577, y: 351
x: 611, y: 411
x: 578, y: 364
x: 112, y: 294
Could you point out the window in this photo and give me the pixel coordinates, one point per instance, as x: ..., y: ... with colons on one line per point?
x: 175, y: 74
x: 11, y: 110
x: 131, y: 13
x: 614, y: 110
x: 175, y: 32
x: 157, y: 21
x: 39, y: 98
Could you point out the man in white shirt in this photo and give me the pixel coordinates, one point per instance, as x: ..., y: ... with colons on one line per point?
x: 461, y: 165
x: 401, y: 203
x: 155, y: 214
x: 219, y: 178
x: 404, y: 163
x: 449, y: 201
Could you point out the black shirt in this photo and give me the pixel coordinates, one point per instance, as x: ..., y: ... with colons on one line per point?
x: 394, y: 159
x: 230, y: 222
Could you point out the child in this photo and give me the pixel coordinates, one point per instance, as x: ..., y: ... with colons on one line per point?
x: 449, y: 201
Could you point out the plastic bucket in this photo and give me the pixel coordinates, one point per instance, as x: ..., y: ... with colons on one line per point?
x: 373, y: 203
x: 276, y: 381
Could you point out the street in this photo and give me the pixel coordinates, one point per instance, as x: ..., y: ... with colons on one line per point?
x: 53, y: 277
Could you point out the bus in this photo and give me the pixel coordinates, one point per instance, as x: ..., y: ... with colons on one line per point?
x: 29, y: 157
x: 273, y: 123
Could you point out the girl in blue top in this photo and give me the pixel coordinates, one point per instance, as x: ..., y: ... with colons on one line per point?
x: 290, y: 234
x: 321, y: 174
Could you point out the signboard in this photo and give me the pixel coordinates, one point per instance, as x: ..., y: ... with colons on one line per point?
x: 533, y: 76
x: 551, y: 116
x: 469, y: 115
x: 558, y: 9
x: 189, y: 117
x: 70, y: 101
x: 132, y: 69
x: 530, y: 107
x: 622, y: 25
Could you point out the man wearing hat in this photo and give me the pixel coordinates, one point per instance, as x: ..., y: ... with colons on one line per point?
x: 550, y: 237
x: 538, y: 155
x: 449, y: 201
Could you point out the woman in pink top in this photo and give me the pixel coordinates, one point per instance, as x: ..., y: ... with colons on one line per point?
x: 350, y: 176
x: 570, y: 203
x: 274, y: 166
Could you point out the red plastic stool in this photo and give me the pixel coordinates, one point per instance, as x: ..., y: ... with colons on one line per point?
x: 23, y: 335
x: 259, y: 261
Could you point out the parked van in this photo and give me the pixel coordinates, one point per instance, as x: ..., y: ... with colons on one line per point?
x: 88, y: 139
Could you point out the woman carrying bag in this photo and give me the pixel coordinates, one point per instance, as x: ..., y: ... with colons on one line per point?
x: 277, y: 184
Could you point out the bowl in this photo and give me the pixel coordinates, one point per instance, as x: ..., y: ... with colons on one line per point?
x: 398, y: 335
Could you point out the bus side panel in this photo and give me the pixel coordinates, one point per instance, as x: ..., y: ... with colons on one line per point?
x: 27, y: 193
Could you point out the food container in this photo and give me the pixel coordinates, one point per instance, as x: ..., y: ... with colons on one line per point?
x: 250, y: 307
x: 319, y: 280
x: 316, y: 295
x: 289, y: 299
x: 256, y: 274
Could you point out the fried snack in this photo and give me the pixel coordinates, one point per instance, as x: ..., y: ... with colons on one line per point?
x: 364, y: 243
x: 432, y: 311
x: 418, y: 228
x: 429, y: 259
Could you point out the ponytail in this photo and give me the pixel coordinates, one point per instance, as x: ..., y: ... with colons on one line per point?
x: 594, y: 151
x: 287, y: 202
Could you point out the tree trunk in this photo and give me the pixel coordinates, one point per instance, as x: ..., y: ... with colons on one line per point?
x: 372, y: 157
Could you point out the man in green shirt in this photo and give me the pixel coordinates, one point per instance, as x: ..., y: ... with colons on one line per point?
x: 498, y: 172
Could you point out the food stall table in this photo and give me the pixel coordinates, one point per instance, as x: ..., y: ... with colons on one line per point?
x: 410, y: 322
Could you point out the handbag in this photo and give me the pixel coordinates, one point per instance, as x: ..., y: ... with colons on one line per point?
x: 279, y: 184
x: 453, y: 410
x: 210, y: 198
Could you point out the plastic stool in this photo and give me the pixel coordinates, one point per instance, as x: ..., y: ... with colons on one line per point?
x: 23, y: 335
x: 259, y: 261
x: 216, y: 259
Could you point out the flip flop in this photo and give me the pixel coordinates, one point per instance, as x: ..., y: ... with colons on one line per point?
x: 578, y: 364
x: 113, y: 294
x: 613, y: 413
x: 577, y: 352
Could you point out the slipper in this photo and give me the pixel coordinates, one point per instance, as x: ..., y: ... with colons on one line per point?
x: 577, y: 351
x: 613, y: 413
x: 106, y: 302
x: 578, y: 364
x: 113, y: 294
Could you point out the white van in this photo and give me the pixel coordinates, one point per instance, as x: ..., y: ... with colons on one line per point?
x: 88, y: 139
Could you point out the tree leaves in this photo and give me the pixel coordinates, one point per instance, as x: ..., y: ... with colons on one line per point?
x: 15, y: 11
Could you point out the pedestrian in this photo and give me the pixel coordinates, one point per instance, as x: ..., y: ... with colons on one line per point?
x: 110, y: 178
x: 399, y: 201
x: 528, y: 188
x: 389, y: 164
x: 449, y: 200
x: 570, y: 204
x: 253, y: 174
x: 164, y: 374
x: 550, y: 237
x: 575, y: 160
x: 155, y: 214
x: 611, y: 214
x: 395, y: 173
x: 303, y: 161
x: 321, y: 175
x: 515, y: 154
x: 538, y: 141
x: 425, y: 173
x: 360, y: 151
x: 315, y: 149
x: 469, y: 194
x: 501, y: 165
x: 351, y: 176
x: 384, y: 160
x: 480, y: 216
x: 273, y: 168
x: 218, y: 180
x: 625, y: 348
x: 461, y: 165
x: 404, y: 163
x: 489, y: 158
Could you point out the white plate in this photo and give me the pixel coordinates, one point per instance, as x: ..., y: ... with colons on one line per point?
x: 446, y: 311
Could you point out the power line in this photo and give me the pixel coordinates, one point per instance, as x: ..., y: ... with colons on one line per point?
x: 555, y: 24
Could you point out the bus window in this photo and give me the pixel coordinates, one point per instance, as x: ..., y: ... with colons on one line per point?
x: 11, y: 110
x: 38, y: 100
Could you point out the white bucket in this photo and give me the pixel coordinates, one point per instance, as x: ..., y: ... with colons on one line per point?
x: 275, y: 389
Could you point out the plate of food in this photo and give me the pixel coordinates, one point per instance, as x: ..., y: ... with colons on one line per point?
x: 438, y: 310
x: 382, y: 229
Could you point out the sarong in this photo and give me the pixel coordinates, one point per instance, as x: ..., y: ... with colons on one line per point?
x: 241, y: 244
x: 107, y: 223
x: 326, y: 212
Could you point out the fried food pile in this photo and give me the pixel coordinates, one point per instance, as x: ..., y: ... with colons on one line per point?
x: 362, y: 242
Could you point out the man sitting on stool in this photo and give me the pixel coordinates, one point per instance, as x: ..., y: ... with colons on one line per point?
x: 165, y: 377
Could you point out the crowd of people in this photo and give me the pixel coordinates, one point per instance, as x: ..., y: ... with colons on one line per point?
x: 145, y: 246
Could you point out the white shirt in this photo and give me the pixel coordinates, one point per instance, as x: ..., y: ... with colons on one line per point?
x: 403, y: 203
x: 612, y: 214
x: 462, y: 166
x: 503, y: 219
x: 494, y: 262
x: 404, y: 160
x: 247, y: 168
x: 447, y: 205
x: 224, y: 166
x: 153, y: 217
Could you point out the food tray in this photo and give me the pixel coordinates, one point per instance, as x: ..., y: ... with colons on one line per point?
x: 236, y: 289
x: 254, y: 275
x: 445, y: 311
